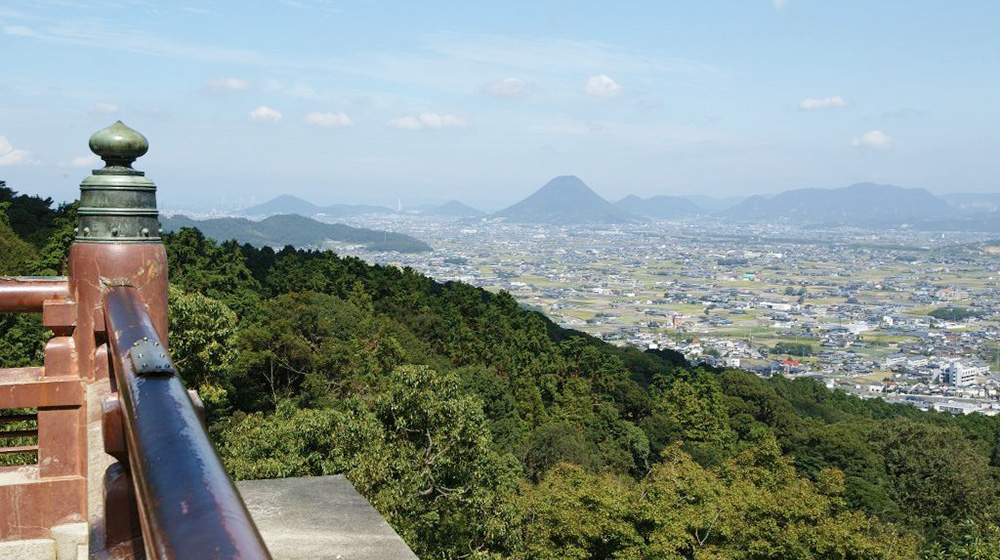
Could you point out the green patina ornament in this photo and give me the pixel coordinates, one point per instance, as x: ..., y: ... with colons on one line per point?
x: 118, y: 145
x: 118, y: 203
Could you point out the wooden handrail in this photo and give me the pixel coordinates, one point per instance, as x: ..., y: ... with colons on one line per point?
x: 188, y: 505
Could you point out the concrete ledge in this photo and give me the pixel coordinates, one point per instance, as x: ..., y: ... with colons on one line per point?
x: 68, y: 539
x: 33, y: 549
x: 320, y: 518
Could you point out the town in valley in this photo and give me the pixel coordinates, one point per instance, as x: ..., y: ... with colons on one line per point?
x: 906, y: 315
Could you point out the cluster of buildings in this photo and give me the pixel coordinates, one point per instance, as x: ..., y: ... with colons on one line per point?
x: 850, y: 307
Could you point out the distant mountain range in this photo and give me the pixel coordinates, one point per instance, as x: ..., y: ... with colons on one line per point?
x: 974, y: 202
x: 565, y: 200
x: 661, y: 207
x: 861, y: 204
x: 295, y: 230
x: 288, y: 204
x: 713, y: 204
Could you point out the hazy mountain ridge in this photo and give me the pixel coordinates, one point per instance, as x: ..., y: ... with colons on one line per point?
x: 974, y: 202
x: 296, y: 230
x: 713, y: 204
x: 660, y: 206
x: 289, y: 204
x: 565, y: 200
x: 861, y: 204
x: 454, y: 208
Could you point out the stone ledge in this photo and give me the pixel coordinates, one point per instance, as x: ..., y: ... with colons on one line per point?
x: 33, y: 549
x: 320, y: 518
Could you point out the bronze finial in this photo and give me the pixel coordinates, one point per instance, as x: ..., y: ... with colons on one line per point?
x: 118, y: 203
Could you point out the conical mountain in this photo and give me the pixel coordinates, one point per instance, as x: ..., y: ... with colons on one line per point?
x: 288, y: 204
x: 454, y: 208
x: 283, y: 204
x: 565, y: 200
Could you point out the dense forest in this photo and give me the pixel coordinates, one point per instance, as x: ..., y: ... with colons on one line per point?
x: 482, y: 430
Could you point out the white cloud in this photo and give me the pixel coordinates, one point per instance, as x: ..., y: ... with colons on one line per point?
x: 779, y: 4
x: 434, y: 120
x: 427, y: 121
x: 265, y: 114
x: 328, y: 120
x: 508, y: 87
x: 229, y: 85
x: 875, y: 139
x: 603, y: 86
x: 85, y: 161
x: 103, y: 109
x: 810, y: 103
x: 10, y: 156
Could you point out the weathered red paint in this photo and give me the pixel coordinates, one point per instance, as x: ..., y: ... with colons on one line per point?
x: 27, y: 294
x: 95, y: 266
x: 53, y: 491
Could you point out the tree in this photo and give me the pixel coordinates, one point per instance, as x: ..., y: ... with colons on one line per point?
x: 937, y: 476
x: 16, y: 255
x: 419, y: 450
x: 203, y: 346
x: 573, y: 514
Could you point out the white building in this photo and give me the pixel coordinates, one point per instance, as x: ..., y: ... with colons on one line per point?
x: 893, y: 360
x: 958, y: 407
x: 963, y: 374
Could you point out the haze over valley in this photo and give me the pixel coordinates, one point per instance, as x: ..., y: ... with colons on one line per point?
x: 849, y: 285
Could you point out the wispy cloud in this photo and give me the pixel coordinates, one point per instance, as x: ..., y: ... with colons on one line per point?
x: 442, y: 61
x: 603, y: 86
x: 265, y: 114
x: 556, y: 55
x: 812, y: 103
x: 18, y: 31
x: 298, y: 91
x: 103, y: 109
x: 199, y: 11
x: 11, y: 156
x: 328, y: 120
x: 508, y: 87
x: 229, y: 85
x: 779, y: 4
x: 427, y: 121
x: 121, y: 37
x: 873, y: 139
x: 83, y: 161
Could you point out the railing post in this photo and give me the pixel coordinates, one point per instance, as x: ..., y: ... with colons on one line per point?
x: 166, y: 494
x: 117, y: 242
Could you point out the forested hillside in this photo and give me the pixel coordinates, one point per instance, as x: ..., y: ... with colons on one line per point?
x: 480, y: 429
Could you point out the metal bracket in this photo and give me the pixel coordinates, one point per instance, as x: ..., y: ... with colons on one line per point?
x: 150, y: 358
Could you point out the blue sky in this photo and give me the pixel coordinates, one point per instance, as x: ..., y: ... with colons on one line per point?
x: 366, y: 102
